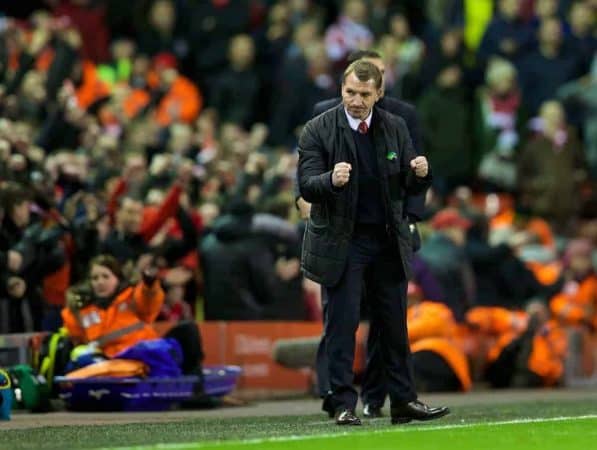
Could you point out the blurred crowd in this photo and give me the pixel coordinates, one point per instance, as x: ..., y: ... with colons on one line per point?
x: 163, y: 132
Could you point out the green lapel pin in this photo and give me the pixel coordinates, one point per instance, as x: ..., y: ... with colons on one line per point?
x: 391, y: 156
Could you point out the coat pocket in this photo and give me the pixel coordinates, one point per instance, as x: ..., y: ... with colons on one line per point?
x: 319, y: 218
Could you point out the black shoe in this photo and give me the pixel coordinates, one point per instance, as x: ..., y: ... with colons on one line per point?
x: 416, y: 410
x: 372, y: 412
x: 347, y: 417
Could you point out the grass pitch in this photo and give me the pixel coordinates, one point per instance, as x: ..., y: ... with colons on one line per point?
x: 544, y: 425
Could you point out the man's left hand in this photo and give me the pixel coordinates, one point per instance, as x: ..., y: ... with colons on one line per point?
x: 420, y: 166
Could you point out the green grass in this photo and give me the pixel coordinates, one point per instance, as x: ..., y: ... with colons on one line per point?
x: 549, y: 435
x: 470, y: 430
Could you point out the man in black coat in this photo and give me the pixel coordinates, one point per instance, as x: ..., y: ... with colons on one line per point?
x: 239, y: 268
x: 356, y: 165
x: 374, y: 390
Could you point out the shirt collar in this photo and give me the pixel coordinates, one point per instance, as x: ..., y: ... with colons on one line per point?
x: 354, y: 123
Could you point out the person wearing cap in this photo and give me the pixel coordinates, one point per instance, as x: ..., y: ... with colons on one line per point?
x: 356, y: 165
x: 176, y: 96
x: 444, y: 253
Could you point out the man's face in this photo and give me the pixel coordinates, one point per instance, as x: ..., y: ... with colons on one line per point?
x: 130, y: 215
x: 20, y: 214
x: 358, y: 97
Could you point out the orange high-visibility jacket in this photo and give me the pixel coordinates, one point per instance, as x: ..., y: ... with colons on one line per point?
x: 429, y: 319
x: 450, y: 353
x: 124, y: 323
x: 92, y: 88
x: 498, y: 322
x: 494, y: 320
x: 182, y: 102
x: 579, y: 304
x: 550, y: 345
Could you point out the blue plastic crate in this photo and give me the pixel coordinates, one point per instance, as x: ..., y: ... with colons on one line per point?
x: 142, y: 394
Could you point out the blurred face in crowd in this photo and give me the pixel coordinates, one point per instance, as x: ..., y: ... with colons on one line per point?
x: 209, y: 212
x: 582, y: 18
x: 552, y: 115
x: 162, y: 15
x: 33, y: 87
x: 130, y: 215
x: 501, y: 78
x: 546, y: 8
x: 449, y: 77
x: 21, y: 214
x: 317, y: 60
x: 181, y: 138
x: 451, y: 43
x: 123, y: 49
x: 242, y: 52
x: 550, y: 33
x: 299, y: 6
x: 359, y: 96
x: 581, y: 264
x: 356, y: 10
x: 509, y: 9
x: 503, y: 85
x: 103, y: 282
x: 305, y: 33
x: 399, y: 27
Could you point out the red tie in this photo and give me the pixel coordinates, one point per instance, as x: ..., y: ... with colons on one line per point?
x: 363, y: 128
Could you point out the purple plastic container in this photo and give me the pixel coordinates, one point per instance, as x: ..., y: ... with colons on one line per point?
x: 142, y: 394
x: 220, y: 380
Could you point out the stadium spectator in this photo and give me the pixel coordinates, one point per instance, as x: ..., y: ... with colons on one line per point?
x: 238, y: 267
x: 507, y: 35
x: 445, y: 111
x: 349, y: 33
x: 235, y: 92
x: 550, y: 66
x: 551, y: 167
x: 499, y: 120
x: 444, y: 254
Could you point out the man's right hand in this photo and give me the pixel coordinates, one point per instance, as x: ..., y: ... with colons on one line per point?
x: 341, y: 174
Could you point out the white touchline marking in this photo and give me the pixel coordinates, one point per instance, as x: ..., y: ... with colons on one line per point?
x: 396, y: 429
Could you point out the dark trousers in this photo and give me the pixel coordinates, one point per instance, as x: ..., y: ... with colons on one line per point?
x: 187, y: 335
x: 374, y: 389
x: 374, y: 385
x: 372, y: 261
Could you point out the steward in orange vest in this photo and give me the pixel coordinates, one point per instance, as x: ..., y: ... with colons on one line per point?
x: 528, y: 349
x: 116, y: 316
x: 439, y: 362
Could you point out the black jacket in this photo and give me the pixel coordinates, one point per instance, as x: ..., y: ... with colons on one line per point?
x: 415, y: 205
x: 326, y: 140
x: 238, y: 270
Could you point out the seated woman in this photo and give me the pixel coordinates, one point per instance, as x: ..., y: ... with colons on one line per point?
x: 113, y: 315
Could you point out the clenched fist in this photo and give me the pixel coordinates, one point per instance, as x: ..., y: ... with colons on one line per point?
x: 341, y: 174
x: 420, y: 166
